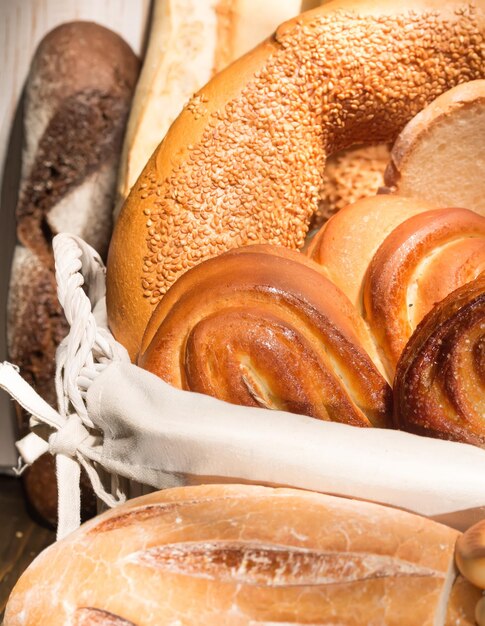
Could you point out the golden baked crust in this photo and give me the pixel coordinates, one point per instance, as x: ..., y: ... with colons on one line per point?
x: 242, y: 556
x: 262, y: 326
x: 244, y: 162
x: 439, y: 388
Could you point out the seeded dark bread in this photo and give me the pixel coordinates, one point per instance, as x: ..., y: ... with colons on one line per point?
x: 247, y: 556
x: 77, y: 99
x: 244, y: 163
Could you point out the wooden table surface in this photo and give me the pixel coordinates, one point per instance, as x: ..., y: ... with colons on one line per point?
x: 21, y: 538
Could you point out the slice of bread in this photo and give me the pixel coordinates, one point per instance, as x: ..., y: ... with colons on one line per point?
x: 440, y: 154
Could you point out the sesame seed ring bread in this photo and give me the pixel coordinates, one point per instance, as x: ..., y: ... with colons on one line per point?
x: 244, y: 162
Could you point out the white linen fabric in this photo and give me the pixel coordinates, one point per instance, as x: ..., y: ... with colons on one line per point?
x: 117, y: 418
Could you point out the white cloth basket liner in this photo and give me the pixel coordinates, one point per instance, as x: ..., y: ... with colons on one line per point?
x: 133, y: 433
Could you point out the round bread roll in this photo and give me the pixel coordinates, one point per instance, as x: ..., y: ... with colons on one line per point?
x: 244, y: 162
x: 262, y: 326
x: 439, y: 389
x: 368, y: 222
x: 245, y: 556
x: 470, y: 554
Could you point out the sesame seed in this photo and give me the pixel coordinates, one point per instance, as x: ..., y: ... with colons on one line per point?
x: 256, y: 173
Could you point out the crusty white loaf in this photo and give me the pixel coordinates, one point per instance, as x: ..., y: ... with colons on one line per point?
x: 245, y: 556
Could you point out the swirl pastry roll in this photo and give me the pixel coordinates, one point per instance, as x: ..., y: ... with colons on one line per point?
x: 263, y: 326
x: 408, y: 258
x: 440, y: 380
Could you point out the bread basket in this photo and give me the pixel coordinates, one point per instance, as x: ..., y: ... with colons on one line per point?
x: 133, y: 433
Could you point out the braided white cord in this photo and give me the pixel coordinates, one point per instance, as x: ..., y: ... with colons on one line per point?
x: 88, y: 348
x: 81, y: 356
x: 69, y: 433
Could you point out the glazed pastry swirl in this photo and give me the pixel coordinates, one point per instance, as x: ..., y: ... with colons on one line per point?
x: 263, y: 326
x: 440, y: 381
x: 423, y: 260
x: 407, y: 259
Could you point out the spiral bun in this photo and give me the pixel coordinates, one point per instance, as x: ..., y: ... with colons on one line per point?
x: 263, y: 326
x: 439, y: 388
x: 408, y: 259
x: 418, y: 264
x: 244, y: 162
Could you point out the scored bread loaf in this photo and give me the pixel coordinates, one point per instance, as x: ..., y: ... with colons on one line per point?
x: 190, y: 41
x: 244, y: 161
x: 246, y: 556
x: 78, y: 94
x: 440, y: 154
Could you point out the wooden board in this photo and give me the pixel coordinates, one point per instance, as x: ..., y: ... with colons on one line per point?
x: 21, y: 539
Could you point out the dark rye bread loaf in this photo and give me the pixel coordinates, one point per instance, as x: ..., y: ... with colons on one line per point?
x: 77, y: 99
